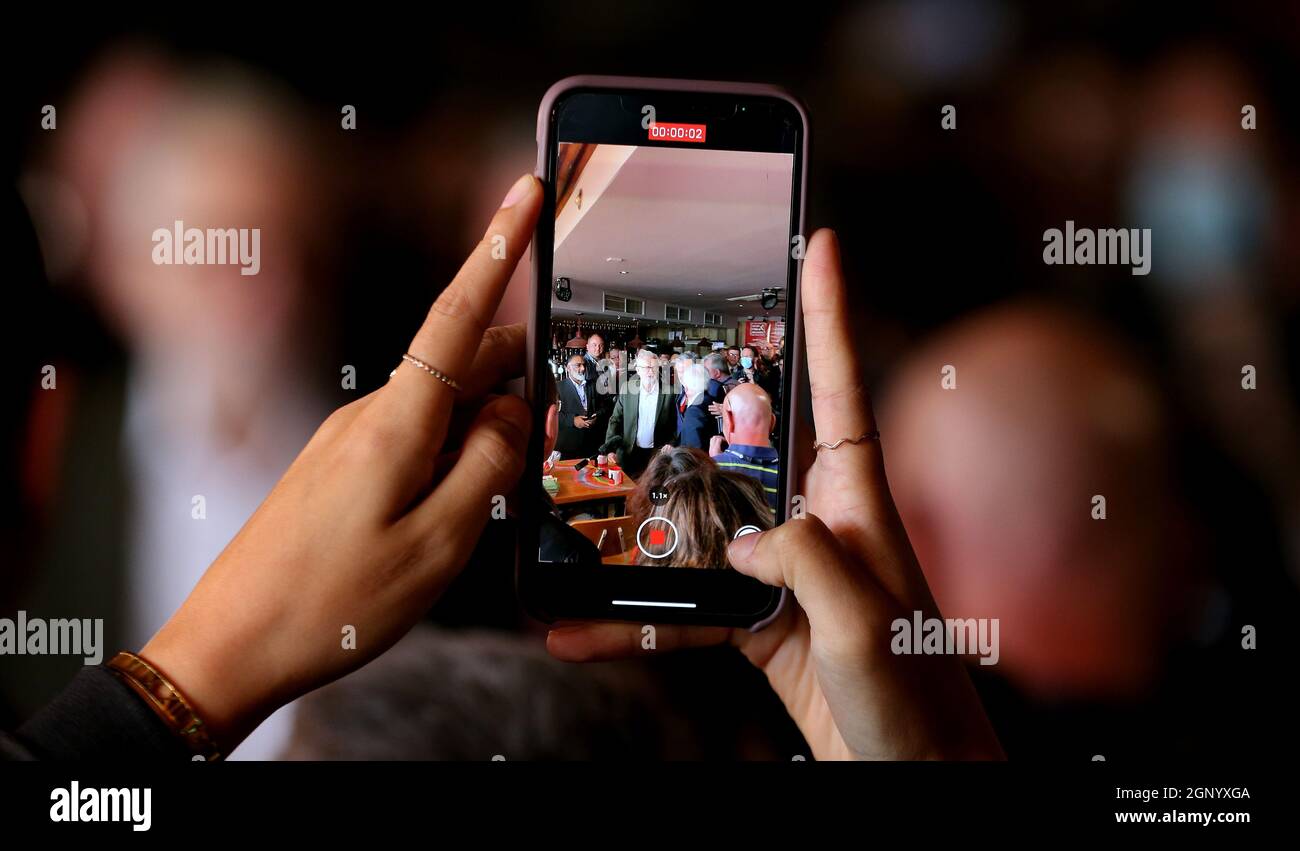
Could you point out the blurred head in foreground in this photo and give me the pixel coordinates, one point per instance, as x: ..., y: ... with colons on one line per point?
x: 443, y: 695
x: 1001, y: 480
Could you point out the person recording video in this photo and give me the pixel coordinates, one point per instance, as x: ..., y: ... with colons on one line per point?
x: 383, y: 507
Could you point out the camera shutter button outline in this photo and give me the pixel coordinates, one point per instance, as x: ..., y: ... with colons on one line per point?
x: 676, y: 536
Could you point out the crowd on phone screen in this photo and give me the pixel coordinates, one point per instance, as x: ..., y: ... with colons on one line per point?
x: 701, y: 426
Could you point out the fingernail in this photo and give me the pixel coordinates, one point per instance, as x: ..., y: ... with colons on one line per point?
x: 743, y: 546
x: 517, y: 192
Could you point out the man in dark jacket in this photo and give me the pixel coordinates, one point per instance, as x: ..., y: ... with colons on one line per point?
x: 582, y: 417
x: 644, y: 417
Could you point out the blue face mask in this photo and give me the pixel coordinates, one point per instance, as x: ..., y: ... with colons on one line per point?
x: 747, y: 363
x: 1207, y: 206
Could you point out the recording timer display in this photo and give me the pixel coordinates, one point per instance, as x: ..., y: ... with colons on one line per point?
x: 665, y: 132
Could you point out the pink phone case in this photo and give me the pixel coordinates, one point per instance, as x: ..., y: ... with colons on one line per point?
x: 798, y: 383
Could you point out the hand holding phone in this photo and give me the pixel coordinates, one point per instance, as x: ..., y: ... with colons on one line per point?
x: 679, y: 200
x: 852, y: 571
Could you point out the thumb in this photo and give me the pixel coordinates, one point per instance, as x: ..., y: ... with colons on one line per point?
x: 844, y: 603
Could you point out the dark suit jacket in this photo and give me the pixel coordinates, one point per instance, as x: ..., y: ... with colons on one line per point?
x: 623, y: 422
x: 592, y: 367
x: 574, y: 442
x: 596, y: 378
x: 698, y: 425
x: 771, y: 382
x: 715, y: 393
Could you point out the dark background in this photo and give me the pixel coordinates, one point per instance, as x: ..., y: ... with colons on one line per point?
x: 1059, y: 107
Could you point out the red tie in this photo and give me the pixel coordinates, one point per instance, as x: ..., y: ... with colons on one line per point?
x: 682, y: 406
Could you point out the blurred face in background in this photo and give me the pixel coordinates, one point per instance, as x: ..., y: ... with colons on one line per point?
x: 596, y: 346
x: 213, y: 162
x: 680, y: 365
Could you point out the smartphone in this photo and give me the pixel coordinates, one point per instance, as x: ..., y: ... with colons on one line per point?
x: 665, y: 279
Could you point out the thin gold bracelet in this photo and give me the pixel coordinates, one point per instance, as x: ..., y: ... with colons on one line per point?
x: 167, y: 702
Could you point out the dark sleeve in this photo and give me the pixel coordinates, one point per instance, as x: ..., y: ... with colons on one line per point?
x: 773, y: 387
x: 614, y: 431
x: 565, y: 406
x: 667, y: 425
x: 97, y: 717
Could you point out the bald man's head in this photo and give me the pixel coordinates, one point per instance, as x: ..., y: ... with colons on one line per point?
x: 747, y: 417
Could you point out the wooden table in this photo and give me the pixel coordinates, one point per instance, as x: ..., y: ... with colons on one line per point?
x: 583, y: 485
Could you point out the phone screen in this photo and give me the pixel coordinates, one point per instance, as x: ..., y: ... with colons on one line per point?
x: 666, y: 378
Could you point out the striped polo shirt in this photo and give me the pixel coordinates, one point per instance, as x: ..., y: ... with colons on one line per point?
x: 757, y: 462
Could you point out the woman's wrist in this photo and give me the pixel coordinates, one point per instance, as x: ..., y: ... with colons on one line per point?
x: 168, y: 703
x: 220, y: 690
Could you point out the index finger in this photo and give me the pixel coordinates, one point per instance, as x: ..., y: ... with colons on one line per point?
x: 454, y: 326
x: 841, y: 406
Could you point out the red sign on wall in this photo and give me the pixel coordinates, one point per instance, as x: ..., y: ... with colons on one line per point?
x: 763, y: 331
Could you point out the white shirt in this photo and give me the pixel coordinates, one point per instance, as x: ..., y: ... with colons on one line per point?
x: 582, y: 391
x: 649, y: 412
x: 171, y: 455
